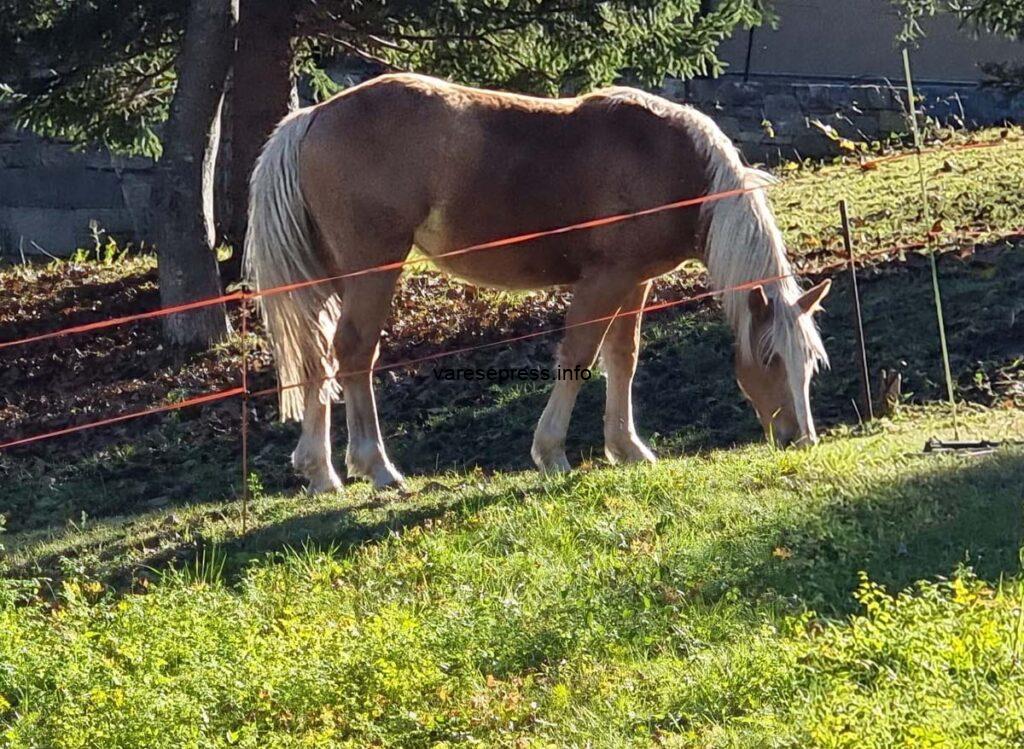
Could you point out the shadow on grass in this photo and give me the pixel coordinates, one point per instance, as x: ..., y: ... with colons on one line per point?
x: 686, y: 400
x: 921, y: 526
x: 365, y: 522
x: 925, y: 524
x: 110, y: 553
x: 685, y: 394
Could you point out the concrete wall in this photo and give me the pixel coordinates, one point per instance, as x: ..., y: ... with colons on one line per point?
x: 856, y: 39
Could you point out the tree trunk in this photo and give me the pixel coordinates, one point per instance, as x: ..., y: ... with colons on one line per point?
x: 187, y: 265
x: 261, y: 94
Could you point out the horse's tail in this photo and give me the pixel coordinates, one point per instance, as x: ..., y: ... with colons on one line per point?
x: 279, y: 252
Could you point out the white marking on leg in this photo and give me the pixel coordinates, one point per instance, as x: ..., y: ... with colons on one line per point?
x: 621, y: 443
x: 619, y: 353
x: 366, y: 455
x: 548, y: 449
x: 312, y: 456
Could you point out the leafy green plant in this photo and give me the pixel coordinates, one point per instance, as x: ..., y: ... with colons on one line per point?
x: 105, y: 250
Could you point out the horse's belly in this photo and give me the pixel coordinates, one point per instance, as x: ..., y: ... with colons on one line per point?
x: 520, y: 265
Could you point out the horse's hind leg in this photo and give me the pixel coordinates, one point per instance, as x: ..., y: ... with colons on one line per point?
x: 312, y: 456
x: 365, y: 304
x: 619, y: 355
x: 593, y: 300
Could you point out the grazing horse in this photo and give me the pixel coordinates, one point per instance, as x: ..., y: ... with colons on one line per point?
x: 406, y: 160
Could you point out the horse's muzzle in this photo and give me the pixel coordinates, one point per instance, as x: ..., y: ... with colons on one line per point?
x: 793, y: 439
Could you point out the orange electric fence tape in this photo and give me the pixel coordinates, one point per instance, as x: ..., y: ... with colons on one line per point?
x: 122, y: 320
x: 195, y: 401
x: 220, y: 395
x: 231, y: 392
x: 521, y: 238
x: 656, y: 307
x: 518, y: 239
x: 872, y: 163
x: 535, y: 334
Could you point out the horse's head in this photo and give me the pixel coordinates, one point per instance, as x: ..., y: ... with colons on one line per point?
x: 774, y: 369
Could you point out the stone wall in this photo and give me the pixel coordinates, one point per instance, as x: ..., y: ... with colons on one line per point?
x: 50, y: 193
x: 771, y: 119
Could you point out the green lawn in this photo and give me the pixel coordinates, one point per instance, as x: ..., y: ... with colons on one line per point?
x: 969, y: 190
x: 859, y: 594
x: 727, y: 599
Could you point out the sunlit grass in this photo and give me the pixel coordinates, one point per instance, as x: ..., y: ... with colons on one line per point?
x: 969, y: 190
x: 701, y: 602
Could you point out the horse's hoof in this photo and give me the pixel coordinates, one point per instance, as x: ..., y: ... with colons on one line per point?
x: 632, y: 451
x: 327, y: 485
x: 551, y: 463
x: 386, y: 476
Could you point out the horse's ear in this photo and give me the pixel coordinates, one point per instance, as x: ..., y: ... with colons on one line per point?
x: 810, y: 301
x: 760, y: 307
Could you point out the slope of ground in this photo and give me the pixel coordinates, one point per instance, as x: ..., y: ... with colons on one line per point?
x: 686, y: 398
x: 709, y: 601
x: 713, y: 600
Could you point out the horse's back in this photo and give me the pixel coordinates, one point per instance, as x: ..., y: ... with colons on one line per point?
x: 463, y: 133
x: 452, y: 166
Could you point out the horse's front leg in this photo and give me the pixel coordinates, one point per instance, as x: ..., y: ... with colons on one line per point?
x: 365, y: 304
x: 594, y: 302
x: 619, y: 356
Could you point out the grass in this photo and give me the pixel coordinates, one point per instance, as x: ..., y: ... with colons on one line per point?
x: 686, y: 401
x: 714, y: 600
x: 968, y: 192
x: 855, y: 595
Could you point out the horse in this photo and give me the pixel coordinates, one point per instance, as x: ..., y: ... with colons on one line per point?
x: 404, y: 160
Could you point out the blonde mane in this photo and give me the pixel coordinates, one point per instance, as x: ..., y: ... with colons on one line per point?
x: 744, y: 244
